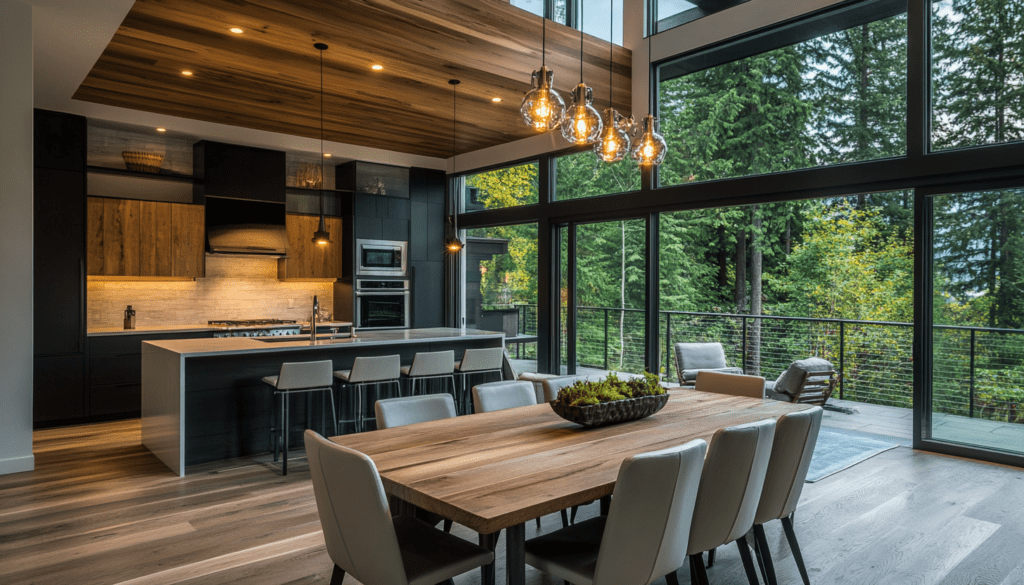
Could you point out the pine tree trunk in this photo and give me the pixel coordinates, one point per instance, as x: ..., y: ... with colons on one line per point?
x: 789, y: 236
x: 754, y: 329
x: 741, y: 271
x: 723, y: 259
x: 622, y: 299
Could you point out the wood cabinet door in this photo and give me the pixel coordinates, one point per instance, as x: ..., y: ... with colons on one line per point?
x: 188, y: 238
x: 309, y: 260
x: 155, y: 246
x: 113, y: 245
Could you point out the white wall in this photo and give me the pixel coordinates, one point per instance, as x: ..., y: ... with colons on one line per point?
x: 16, y: 242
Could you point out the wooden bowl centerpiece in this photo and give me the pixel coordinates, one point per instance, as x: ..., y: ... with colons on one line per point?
x: 610, y: 401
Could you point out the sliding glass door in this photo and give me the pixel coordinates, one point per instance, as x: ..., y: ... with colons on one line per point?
x: 977, y: 334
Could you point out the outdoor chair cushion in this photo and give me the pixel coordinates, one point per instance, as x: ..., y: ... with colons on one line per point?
x: 788, y: 383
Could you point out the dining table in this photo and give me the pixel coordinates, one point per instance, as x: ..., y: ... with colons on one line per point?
x: 496, y: 471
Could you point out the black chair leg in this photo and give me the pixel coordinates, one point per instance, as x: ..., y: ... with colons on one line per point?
x: 764, y: 556
x: 748, y: 562
x: 284, y: 425
x: 537, y: 520
x: 337, y: 576
x: 606, y: 504
x: 572, y: 516
x: 698, y: 575
x: 565, y: 520
x: 672, y: 579
x: 787, y: 525
x: 447, y: 525
x: 711, y: 557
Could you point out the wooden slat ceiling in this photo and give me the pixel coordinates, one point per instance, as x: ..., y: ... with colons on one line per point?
x: 268, y: 78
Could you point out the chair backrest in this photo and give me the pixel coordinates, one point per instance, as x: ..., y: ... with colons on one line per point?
x: 397, y: 412
x: 731, y: 483
x: 298, y: 375
x: 732, y: 384
x: 552, y: 386
x: 354, y: 514
x: 375, y: 369
x: 433, y: 363
x: 810, y: 380
x: 795, y: 437
x: 482, y: 359
x: 698, y: 356
x: 501, y: 395
x: 649, y: 521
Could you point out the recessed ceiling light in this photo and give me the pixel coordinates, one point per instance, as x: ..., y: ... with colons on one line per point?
x: 161, y: 129
x: 376, y: 67
x: 327, y: 155
x: 236, y: 30
x: 186, y: 73
x: 495, y: 99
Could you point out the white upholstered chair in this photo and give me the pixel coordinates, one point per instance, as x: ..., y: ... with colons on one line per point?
x: 299, y: 378
x: 397, y: 412
x: 502, y: 395
x: 369, y: 371
x: 792, y: 449
x: 732, y: 384
x: 730, y: 490
x: 643, y: 537
x: 361, y: 536
x: 694, y: 357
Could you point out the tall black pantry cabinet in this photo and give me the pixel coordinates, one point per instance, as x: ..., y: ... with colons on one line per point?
x: 59, y: 340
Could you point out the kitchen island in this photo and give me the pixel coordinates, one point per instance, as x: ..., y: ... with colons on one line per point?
x: 204, y: 399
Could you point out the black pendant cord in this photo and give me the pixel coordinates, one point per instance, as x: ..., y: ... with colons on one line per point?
x: 543, y: 41
x: 323, y: 176
x: 455, y: 116
x: 611, y: 52
x: 581, y: 42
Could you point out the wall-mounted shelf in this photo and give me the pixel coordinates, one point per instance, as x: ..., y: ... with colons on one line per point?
x: 162, y: 175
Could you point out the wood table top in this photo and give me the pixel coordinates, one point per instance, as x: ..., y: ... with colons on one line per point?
x: 494, y: 470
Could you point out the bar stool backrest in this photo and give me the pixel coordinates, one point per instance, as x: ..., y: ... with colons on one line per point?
x: 795, y: 437
x: 376, y: 369
x: 434, y: 363
x: 397, y: 412
x: 300, y: 375
x: 732, y: 384
x: 475, y: 360
x: 354, y: 513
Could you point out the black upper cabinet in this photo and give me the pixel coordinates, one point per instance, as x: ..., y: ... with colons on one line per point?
x: 59, y: 141
x: 59, y: 262
x: 238, y: 172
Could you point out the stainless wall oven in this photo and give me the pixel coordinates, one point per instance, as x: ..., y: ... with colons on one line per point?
x: 381, y: 258
x: 382, y: 304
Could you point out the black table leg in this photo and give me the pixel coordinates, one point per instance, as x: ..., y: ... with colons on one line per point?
x: 487, y: 572
x: 515, y: 554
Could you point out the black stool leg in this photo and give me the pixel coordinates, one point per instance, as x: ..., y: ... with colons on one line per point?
x: 284, y: 426
x: 334, y: 411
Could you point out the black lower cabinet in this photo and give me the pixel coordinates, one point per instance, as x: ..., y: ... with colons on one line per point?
x: 59, y: 389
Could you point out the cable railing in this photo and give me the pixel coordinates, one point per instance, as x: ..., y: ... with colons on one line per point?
x: 977, y: 371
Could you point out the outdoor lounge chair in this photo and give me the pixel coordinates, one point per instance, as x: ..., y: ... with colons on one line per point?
x: 695, y: 357
x: 809, y: 381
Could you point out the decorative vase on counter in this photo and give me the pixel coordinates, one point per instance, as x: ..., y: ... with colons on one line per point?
x: 129, y: 318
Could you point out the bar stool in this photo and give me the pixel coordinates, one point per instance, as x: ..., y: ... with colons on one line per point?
x: 477, y: 361
x: 430, y: 365
x: 368, y: 371
x: 295, y: 378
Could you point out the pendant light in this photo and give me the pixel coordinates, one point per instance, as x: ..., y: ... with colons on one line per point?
x: 582, y: 123
x: 650, y: 148
x: 321, y: 237
x: 614, y: 143
x: 542, y: 107
x: 452, y: 244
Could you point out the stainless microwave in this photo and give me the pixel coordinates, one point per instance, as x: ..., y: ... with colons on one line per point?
x: 381, y: 258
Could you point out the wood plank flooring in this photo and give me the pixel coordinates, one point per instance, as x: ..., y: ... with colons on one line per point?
x: 100, y: 509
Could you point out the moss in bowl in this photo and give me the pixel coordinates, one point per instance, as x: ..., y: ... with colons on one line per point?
x: 611, y: 400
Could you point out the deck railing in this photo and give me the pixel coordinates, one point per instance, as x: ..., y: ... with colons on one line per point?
x: 978, y: 371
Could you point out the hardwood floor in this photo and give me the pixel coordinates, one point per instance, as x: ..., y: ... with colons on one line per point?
x: 100, y: 509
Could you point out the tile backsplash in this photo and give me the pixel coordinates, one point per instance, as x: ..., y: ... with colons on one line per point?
x: 235, y: 287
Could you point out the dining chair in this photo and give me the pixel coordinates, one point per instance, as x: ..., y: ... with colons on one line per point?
x: 730, y: 490
x: 409, y: 410
x: 694, y: 357
x: 643, y: 537
x: 369, y: 371
x: 298, y: 378
x: 478, y: 361
x: 362, y: 537
x: 732, y: 384
x: 795, y: 436
x: 494, y: 396
x: 428, y: 366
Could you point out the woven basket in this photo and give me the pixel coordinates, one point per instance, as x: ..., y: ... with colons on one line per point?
x: 146, y: 162
x: 607, y: 413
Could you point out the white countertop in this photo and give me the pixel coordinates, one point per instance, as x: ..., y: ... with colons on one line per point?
x: 103, y: 331
x: 250, y: 345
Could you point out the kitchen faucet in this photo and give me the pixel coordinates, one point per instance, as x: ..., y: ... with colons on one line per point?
x: 312, y: 322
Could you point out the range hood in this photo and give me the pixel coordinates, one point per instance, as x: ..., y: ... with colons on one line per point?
x: 239, y: 226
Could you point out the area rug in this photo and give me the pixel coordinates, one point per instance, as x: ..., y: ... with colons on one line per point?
x: 839, y: 450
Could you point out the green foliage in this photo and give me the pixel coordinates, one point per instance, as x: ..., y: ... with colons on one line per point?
x: 583, y: 393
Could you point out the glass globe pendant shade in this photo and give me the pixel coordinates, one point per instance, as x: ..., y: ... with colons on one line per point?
x: 650, y: 148
x: 614, y: 143
x: 582, y: 123
x: 542, y: 107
